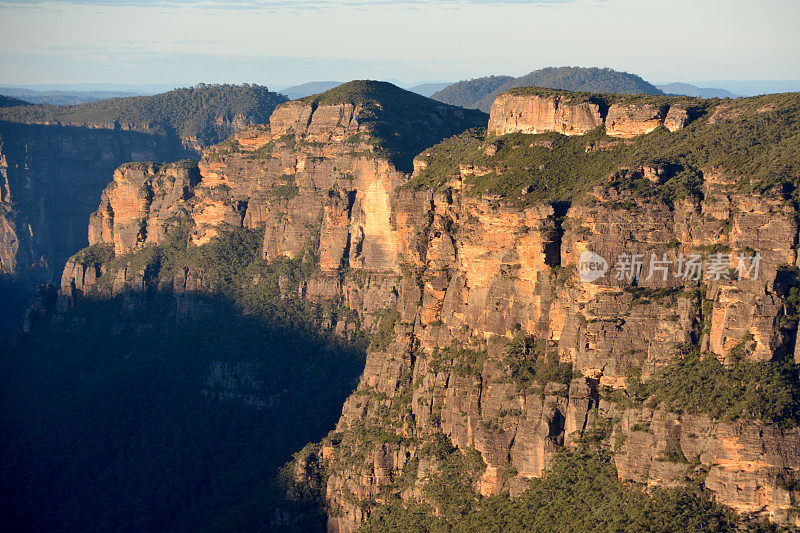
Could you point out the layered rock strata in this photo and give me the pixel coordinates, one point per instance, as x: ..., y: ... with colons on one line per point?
x: 521, y: 112
x: 453, y: 279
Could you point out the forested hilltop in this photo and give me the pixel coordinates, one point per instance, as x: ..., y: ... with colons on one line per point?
x: 9, y: 101
x: 479, y: 93
x: 204, y: 113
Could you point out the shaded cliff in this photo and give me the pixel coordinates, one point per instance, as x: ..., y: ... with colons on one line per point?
x: 55, y: 161
x: 257, y: 240
x: 495, y: 355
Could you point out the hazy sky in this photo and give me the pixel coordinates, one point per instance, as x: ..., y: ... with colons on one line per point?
x: 176, y: 42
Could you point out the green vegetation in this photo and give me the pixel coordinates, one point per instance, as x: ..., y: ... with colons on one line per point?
x: 384, y: 335
x: 532, y: 365
x: 753, y: 139
x: 580, y: 492
x: 645, y: 295
x: 284, y: 187
x: 766, y: 391
x: 95, y: 255
x: 469, y: 93
x: 451, y: 490
x: 265, y: 152
x: 480, y: 93
x: 400, y: 121
x: 204, y: 112
x: 10, y: 101
x: 462, y: 361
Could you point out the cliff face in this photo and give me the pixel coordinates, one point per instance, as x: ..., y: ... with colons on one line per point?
x: 535, y: 114
x: 314, y: 175
x: 482, y: 274
x: 56, y: 160
x: 488, y: 328
x: 52, y: 177
x: 526, y: 111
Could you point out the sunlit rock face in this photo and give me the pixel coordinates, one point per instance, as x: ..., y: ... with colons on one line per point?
x: 452, y: 278
x: 537, y: 114
x: 578, y: 114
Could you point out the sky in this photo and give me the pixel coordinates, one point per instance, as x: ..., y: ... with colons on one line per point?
x: 280, y: 43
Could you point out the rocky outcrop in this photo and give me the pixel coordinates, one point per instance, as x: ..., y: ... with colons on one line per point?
x: 53, y: 177
x: 313, y: 175
x: 751, y: 467
x: 317, y: 123
x: 124, y: 218
x: 631, y: 120
x: 537, y: 114
x: 540, y: 110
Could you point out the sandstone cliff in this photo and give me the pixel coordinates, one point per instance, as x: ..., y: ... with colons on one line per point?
x: 534, y: 110
x: 484, y: 331
x: 323, y: 171
x: 56, y: 160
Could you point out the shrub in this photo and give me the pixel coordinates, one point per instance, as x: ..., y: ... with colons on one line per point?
x: 766, y: 391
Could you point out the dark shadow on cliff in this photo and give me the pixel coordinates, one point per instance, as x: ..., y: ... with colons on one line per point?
x: 125, y: 415
x: 56, y: 175
x: 14, y: 296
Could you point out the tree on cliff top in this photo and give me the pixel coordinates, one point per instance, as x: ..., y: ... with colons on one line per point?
x: 401, y: 123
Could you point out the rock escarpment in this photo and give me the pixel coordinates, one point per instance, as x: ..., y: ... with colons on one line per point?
x: 534, y: 114
x: 321, y: 173
x: 485, y: 334
x: 480, y: 275
x: 532, y: 110
x: 56, y: 160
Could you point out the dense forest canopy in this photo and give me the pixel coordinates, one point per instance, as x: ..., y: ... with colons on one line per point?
x: 468, y: 93
x: 481, y: 92
x: 206, y: 113
x: 10, y: 101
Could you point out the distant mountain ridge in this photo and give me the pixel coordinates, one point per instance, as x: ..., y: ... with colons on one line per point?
x: 753, y: 87
x: 59, y: 97
x: 687, y: 89
x: 307, y: 89
x: 10, y: 101
x: 479, y: 93
x: 201, y: 115
x: 427, y: 89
